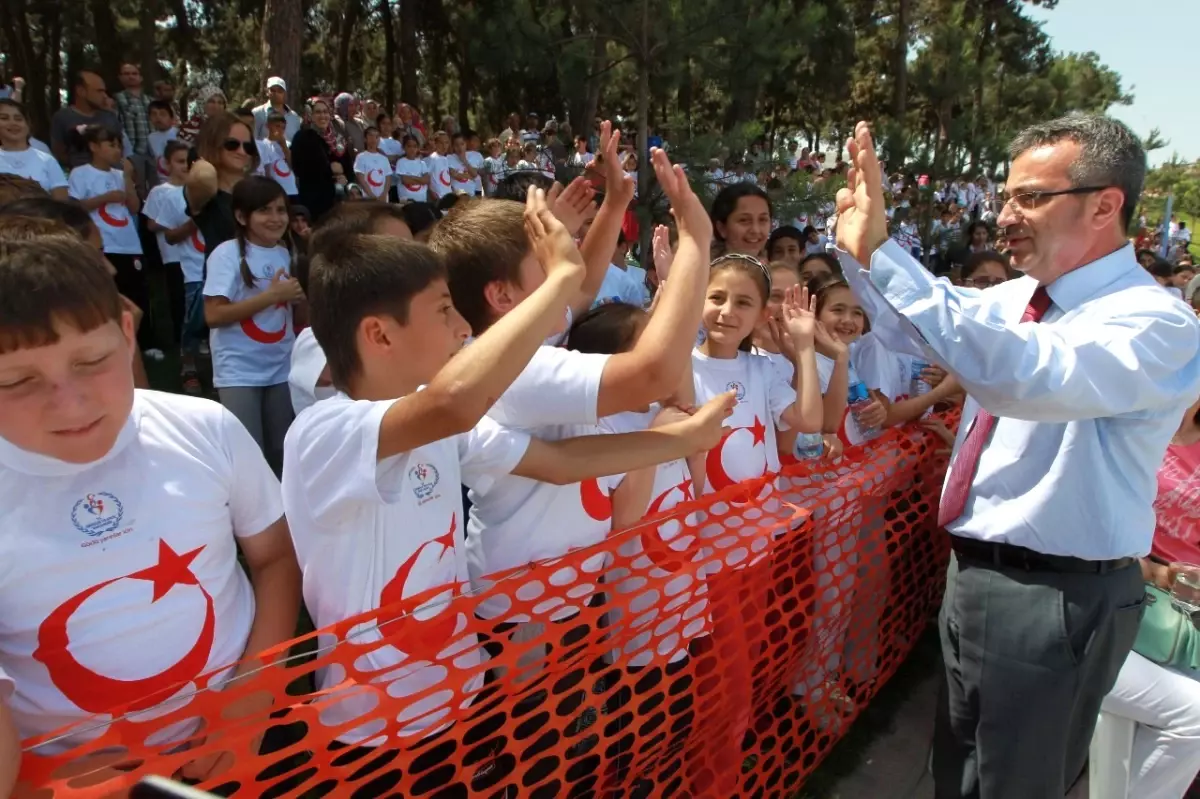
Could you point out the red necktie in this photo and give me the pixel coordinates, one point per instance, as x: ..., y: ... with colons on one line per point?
x: 954, y: 497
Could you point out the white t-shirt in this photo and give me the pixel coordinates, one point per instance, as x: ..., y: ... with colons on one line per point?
x: 256, y: 351
x: 475, y: 159
x: 117, y: 226
x: 122, y: 578
x: 619, y: 286
x: 158, y: 144
x: 554, y: 397
x: 275, y: 166
x: 376, y: 168
x: 763, y: 395
x: 453, y: 161
x: 439, y: 174
x: 410, y: 190
x: 369, y: 533
x: 166, y: 205
x: 35, y: 165
x: 308, y: 361
x: 882, y: 368
x: 658, y: 554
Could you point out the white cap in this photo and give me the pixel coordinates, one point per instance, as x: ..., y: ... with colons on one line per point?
x: 276, y: 81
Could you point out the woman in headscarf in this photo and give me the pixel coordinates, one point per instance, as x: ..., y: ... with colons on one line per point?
x: 345, y: 106
x: 212, y: 103
x: 321, y: 159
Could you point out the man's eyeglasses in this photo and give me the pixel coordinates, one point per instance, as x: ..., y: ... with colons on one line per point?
x: 1032, y: 200
x: 232, y: 146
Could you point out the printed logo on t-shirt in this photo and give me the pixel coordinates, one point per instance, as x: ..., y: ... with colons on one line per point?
x: 596, y: 503
x: 737, y: 388
x: 97, y: 514
x: 425, y: 477
x: 98, y: 693
x: 119, y: 220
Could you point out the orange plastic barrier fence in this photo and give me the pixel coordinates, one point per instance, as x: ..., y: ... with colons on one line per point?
x: 716, y: 650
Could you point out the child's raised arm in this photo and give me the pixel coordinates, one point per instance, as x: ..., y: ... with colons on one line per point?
x: 467, y: 387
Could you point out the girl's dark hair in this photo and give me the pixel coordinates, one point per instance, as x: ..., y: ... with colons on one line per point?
x: 756, y: 270
x: 408, y: 137
x: 1163, y: 269
x: 68, y: 212
x: 449, y: 201
x: 978, y: 223
x: 606, y: 329
x: 977, y: 259
x: 780, y: 233
x: 826, y: 258
x: 380, y: 117
x: 11, y: 103
x: 174, y: 146
x: 727, y: 199
x: 821, y: 287
x: 252, y: 194
x: 420, y: 216
x: 371, y: 129
x: 96, y: 134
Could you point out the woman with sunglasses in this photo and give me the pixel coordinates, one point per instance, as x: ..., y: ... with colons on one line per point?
x: 227, y: 153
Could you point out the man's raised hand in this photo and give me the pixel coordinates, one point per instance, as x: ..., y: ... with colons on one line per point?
x: 861, y: 222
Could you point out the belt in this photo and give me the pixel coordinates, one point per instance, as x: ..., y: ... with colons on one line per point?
x: 997, y: 553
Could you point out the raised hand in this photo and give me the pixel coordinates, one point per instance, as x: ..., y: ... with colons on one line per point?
x: 799, y: 316
x: 617, y: 184
x: 573, y: 205
x: 706, y: 424
x: 862, y: 223
x: 663, y: 254
x: 550, y: 240
x: 690, y: 214
x: 828, y: 343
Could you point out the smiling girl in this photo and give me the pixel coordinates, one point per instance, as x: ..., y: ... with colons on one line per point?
x: 248, y: 297
x: 17, y: 157
x: 768, y: 407
x: 741, y: 216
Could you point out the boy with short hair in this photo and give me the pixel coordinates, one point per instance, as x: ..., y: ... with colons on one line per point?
x: 182, y: 248
x: 275, y: 157
x: 147, y: 592
x: 162, y: 130
x: 492, y: 273
x: 371, y: 476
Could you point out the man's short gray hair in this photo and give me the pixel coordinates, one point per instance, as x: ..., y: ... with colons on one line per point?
x: 1110, y: 154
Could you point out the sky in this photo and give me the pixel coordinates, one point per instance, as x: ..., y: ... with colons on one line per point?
x: 1155, y: 47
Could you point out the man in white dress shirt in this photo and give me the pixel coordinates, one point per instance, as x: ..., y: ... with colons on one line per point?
x: 1077, y: 375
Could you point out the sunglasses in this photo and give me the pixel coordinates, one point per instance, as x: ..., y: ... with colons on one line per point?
x: 248, y: 147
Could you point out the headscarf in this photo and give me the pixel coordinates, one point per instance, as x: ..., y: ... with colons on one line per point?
x: 191, y: 129
x: 333, y: 140
x: 341, y: 104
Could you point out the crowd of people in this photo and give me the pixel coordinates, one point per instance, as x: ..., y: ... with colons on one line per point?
x: 392, y: 312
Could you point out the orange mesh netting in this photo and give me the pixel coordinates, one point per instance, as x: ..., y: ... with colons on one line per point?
x: 719, y: 649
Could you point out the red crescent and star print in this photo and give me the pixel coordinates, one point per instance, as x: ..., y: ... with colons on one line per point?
x: 98, y: 693
x: 421, y: 638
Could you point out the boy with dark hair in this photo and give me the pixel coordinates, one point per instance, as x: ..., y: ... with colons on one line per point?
x: 371, y: 476
x: 492, y: 273
x: 110, y: 519
x: 162, y: 130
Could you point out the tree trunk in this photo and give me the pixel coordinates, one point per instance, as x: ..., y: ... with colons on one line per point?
x: 282, y: 33
x: 147, y: 48
x: 25, y: 62
x: 389, y: 57
x: 106, y: 41
x: 54, y: 78
x: 899, y: 149
x: 981, y: 53
x: 409, y: 15
x: 350, y: 14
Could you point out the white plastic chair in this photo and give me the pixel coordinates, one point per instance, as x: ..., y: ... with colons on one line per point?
x: 1111, y: 753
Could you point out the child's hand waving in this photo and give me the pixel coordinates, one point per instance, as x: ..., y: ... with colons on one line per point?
x: 552, y: 243
x: 799, y: 313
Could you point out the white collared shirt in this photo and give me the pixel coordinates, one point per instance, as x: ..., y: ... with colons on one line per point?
x: 1087, y: 400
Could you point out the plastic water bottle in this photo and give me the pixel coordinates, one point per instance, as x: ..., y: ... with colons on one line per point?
x: 859, y: 399
x: 808, y: 446
x: 918, y: 386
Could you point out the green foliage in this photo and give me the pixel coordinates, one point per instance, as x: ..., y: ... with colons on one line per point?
x: 1175, y: 177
